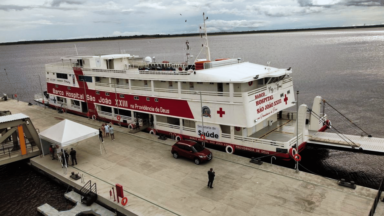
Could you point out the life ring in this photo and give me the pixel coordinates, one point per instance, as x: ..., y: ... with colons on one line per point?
x: 153, y: 132
x: 63, y: 110
x: 297, y: 157
x: 93, y: 117
x: 124, y: 201
x: 130, y: 126
x: 292, y: 152
x: 229, y: 149
x: 237, y: 128
x: 202, y: 136
x: 178, y: 138
x: 118, y: 117
x: 250, y: 83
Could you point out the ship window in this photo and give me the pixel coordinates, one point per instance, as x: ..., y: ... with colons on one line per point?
x: 148, y: 98
x: 106, y: 93
x: 282, y: 95
x: 97, y: 92
x: 211, y: 83
x: 121, y: 96
x: 199, y: 83
x: 69, y: 88
x: 62, y: 76
x: 184, y: 82
x: 136, y: 97
x: 289, y: 91
x: 191, y: 86
x: 260, y: 82
x: 47, y: 72
x: 97, y: 79
x: 227, y: 83
x: 145, y: 83
x: 85, y: 78
x: 156, y: 99
x: 170, y: 84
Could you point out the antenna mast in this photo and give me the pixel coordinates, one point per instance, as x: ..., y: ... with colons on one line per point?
x: 208, y: 53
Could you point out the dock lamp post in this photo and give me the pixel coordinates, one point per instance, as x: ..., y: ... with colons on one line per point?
x: 201, y: 107
x: 297, y: 128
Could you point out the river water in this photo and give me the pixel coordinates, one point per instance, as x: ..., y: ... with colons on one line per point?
x: 345, y: 67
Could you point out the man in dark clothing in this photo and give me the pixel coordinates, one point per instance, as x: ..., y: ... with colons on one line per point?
x: 211, y: 177
x: 73, y: 156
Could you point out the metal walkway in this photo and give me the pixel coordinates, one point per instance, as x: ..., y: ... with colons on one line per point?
x: 371, y: 144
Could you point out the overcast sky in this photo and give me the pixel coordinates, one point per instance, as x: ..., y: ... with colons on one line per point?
x: 62, y: 19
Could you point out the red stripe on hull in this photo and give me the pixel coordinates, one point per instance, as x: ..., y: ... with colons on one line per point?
x: 284, y: 156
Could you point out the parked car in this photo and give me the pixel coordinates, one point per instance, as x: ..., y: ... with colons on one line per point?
x: 191, y: 150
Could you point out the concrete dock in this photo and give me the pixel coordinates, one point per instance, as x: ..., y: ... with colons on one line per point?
x: 157, y: 184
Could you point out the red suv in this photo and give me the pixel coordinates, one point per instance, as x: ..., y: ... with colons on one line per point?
x: 192, y: 150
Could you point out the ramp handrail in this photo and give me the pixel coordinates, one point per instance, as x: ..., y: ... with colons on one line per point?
x: 342, y: 136
x: 377, y: 198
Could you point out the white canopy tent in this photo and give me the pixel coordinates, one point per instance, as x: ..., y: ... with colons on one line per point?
x: 66, y: 133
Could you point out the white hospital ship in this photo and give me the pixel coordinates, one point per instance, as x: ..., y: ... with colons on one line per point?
x: 242, y: 105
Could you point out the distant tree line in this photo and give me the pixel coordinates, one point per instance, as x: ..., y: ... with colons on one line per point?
x: 185, y: 35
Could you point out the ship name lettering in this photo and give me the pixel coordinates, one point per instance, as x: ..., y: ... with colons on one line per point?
x: 260, y: 95
x: 90, y: 98
x: 105, y: 101
x: 58, y: 92
x: 121, y: 103
x: 74, y: 95
x: 266, y: 99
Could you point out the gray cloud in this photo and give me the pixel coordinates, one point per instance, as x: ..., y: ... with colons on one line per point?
x: 281, y: 11
x: 57, y: 3
x: 14, y: 7
x: 314, y: 3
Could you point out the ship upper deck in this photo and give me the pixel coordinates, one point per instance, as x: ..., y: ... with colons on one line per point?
x: 127, y: 66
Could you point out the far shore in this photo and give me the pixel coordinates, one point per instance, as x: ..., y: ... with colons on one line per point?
x: 156, y: 36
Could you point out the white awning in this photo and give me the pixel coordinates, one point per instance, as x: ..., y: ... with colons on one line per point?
x: 67, y: 132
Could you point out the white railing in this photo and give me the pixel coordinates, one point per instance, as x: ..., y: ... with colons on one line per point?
x: 206, y: 93
x: 168, y: 125
x: 164, y: 72
x: 105, y: 113
x: 225, y: 135
x: 237, y: 94
x: 170, y: 90
x: 75, y: 106
x: 102, y: 84
x: 293, y: 140
x: 260, y: 141
x: 141, y: 88
x: 256, y: 91
x: 104, y: 70
x: 121, y: 86
x: 189, y: 129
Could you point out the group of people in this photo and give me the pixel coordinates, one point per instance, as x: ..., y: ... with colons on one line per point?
x: 64, y: 155
x: 106, y: 130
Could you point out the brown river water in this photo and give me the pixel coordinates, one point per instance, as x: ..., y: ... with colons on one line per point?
x: 345, y: 67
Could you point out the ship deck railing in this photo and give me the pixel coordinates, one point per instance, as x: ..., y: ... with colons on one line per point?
x: 164, y: 72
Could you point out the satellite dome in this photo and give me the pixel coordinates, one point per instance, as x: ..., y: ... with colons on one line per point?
x: 148, y: 59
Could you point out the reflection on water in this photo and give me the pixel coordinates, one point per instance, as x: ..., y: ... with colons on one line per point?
x: 23, y: 190
x: 344, y: 67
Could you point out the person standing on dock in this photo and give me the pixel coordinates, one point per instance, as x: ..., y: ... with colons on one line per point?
x: 111, y: 131
x: 103, y: 129
x: 101, y: 135
x: 52, y: 151
x: 73, y: 156
x: 106, y: 130
x: 211, y: 177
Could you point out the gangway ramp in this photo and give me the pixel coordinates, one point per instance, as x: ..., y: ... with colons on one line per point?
x: 369, y: 144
